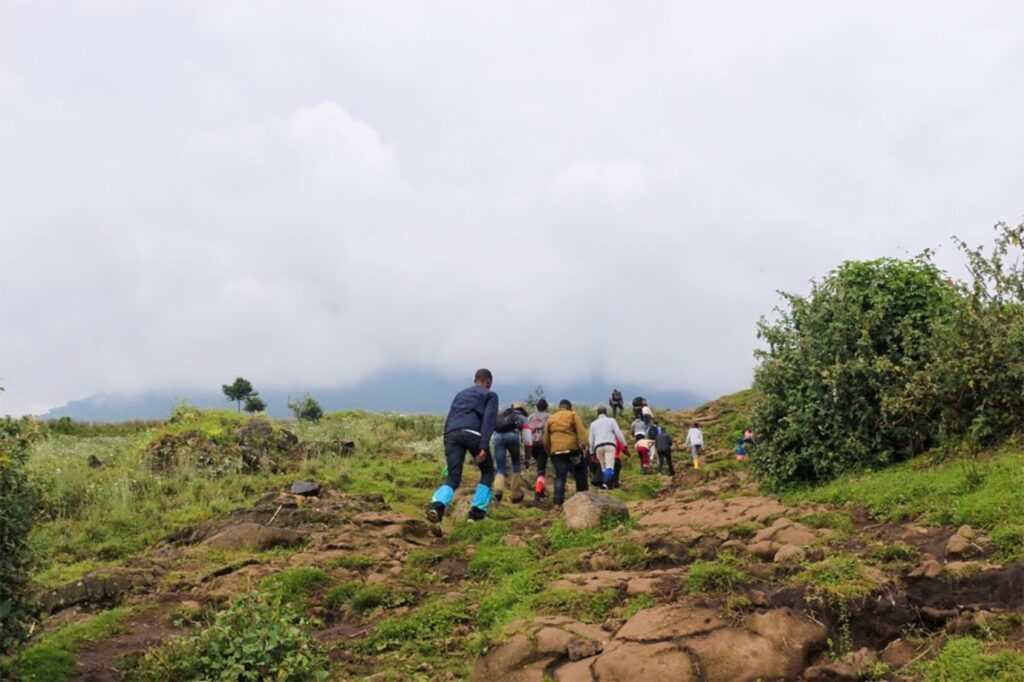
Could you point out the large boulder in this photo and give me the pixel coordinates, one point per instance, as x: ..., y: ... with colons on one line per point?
x: 531, y: 647
x: 684, y: 642
x: 254, y: 537
x: 590, y: 510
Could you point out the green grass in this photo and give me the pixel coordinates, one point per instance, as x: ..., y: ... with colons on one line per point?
x: 51, y: 658
x: 897, y: 552
x: 588, y: 607
x: 713, y: 576
x: 837, y: 579
x: 294, y: 585
x: 964, y: 659
x: 944, y: 493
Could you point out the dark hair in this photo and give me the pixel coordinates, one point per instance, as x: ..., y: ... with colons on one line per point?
x: 542, y: 405
x: 601, y: 409
x: 696, y: 425
x: 483, y: 375
x: 564, y: 403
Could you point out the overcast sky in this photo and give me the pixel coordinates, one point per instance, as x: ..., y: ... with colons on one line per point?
x: 307, y: 192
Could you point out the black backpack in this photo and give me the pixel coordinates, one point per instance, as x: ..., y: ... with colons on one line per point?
x: 506, y: 421
x: 617, y: 397
x: 638, y: 402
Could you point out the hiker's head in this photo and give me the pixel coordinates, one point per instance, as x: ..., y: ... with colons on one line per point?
x: 542, y: 405
x: 483, y: 378
x: 564, y: 404
x: 696, y: 425
x: 602, y: 410
x: 520, y: 408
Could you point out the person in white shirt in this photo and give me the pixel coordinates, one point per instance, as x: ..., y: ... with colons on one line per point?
x: 695, y: 441
x: 605, y: 434
x: 647, y: 414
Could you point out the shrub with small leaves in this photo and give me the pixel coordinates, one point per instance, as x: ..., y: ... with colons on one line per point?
x: 256, y: 638
x: 17, y: 505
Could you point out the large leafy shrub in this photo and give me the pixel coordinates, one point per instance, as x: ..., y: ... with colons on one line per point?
x: 887, y: 358
x: 256, y: 638
x: 833, y: 377
x: 17, y: 504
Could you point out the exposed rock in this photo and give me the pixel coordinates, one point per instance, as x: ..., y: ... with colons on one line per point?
x: 786, y: 532
x: 253, y: 536
x: 965, y: 531
x: 958, y: 545
x: 590, y: 510
x: 94, y: 462
x: 632, y: 582
x: 687, y: 642
x: 766, y: 549
x: 305, y: 488
x: 109, y: 587
x: 706, y: 513
x: 831, y: 671
x: 531, y: 646
x: 898, y: 653
x: 632, y: 661
x: 929, y: 568
x: 789, y: 554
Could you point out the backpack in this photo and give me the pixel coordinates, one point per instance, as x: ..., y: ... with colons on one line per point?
x: 537, y: 424
x: 638, y: 402
x: 617, y: 397
x: 506, y: 421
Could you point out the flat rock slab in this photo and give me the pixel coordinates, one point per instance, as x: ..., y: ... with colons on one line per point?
x: 707, y: 514
x: 255, y: 537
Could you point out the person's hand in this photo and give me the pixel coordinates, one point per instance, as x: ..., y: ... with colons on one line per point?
x: 481, y: 457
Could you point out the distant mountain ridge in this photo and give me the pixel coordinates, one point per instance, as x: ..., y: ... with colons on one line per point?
x: 389, y: 391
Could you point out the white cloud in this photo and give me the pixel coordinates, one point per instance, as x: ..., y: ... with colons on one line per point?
x: 310, y: 194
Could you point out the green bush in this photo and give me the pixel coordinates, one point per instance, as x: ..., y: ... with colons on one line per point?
x: 425, y: 632
x: 18, y: 497
x: 832, y: 380
x: 256, y: 638
x: 589, y: 607
x: 887, y: 358
x: 294, y: 585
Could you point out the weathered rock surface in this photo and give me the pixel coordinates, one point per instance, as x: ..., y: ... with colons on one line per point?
x: 107, y: 587
x: 532, y: 646
x: 255, y: 537
x: 671, y: 643
x: 706, y: 513
x: 590, y: 510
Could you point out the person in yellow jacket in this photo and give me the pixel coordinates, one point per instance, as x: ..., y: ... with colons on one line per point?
x: 566, y: 440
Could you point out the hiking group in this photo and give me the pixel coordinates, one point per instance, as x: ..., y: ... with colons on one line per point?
x: 504, y: 443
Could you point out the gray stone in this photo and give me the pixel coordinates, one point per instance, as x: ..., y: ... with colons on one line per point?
x: 306, y: 488
x: 254, y: 536
x: 590, y: 510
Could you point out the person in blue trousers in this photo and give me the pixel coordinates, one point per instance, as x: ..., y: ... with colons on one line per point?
x: 468, y: 429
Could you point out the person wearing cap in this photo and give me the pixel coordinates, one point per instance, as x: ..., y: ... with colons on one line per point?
x: 538, y: 421
x: 605, y: 435
x: 566, y: 440
x: 468, y: 429
x: 511, y: 430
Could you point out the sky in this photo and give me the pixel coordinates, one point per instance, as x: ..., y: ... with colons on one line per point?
x: 311, y: 192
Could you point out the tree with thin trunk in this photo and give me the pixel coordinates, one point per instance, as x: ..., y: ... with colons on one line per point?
x: 238, y: 391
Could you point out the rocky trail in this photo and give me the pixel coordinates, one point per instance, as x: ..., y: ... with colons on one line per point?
x: 729, y: 584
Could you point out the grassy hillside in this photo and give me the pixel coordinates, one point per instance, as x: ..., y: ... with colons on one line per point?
x: 432, y: 612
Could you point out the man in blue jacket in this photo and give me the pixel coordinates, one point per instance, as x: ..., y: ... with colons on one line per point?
x: 468, y: 429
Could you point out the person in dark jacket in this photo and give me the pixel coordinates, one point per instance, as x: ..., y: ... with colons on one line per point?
x: 468, y: 429
x: 663, y: 442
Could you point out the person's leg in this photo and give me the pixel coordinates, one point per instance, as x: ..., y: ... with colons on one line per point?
x: 541, y: 455
x: 455, y: 455
x: 513, y: 446
x: 581, y: 474
x: 606, y: 457
x: 500, y: 464
x: 695, y: 454
x: 668, y: 462
x: 560, y: 463
x: 482, y: 496
x: 618, y: 471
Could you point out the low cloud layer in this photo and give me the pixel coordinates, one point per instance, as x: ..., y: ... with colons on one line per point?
x: 309, y: 193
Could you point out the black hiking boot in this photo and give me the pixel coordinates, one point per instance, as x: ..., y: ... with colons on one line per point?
x: 435, y: 512
x: 477, y: 514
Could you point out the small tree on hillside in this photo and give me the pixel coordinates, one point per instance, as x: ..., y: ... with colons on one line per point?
x: 254, y: 403
x: 238, y: 391
x: 531, y: 400
x: 306, y: 408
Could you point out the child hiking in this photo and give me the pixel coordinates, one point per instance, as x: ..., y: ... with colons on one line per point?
x: 695, y: 441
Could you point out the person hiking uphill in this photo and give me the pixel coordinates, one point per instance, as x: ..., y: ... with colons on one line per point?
x: 508, y: 425
x: 615, y: 402
x: 663, y: 443
x: 647, y: 414
x: 695, y: 441
x: 565, y: 439
x: 468, y: 429
x: 638, y: 407
x: 538, y: 420
x: 605, y: 435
